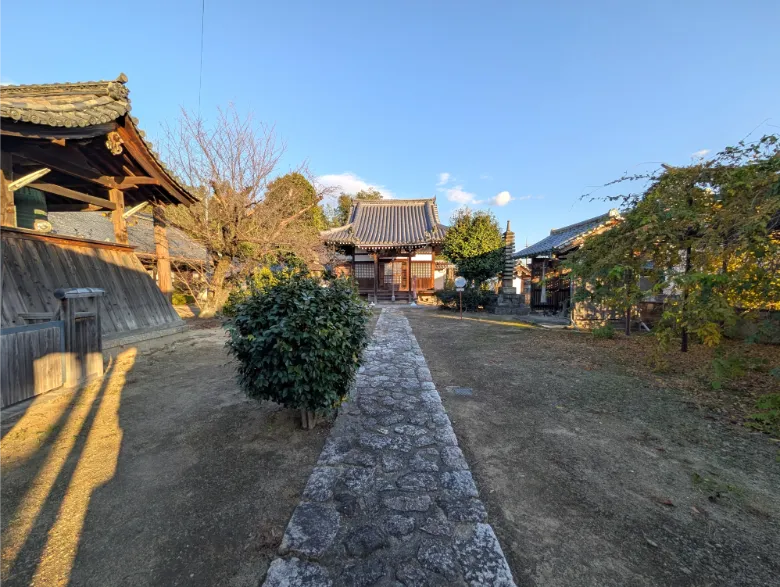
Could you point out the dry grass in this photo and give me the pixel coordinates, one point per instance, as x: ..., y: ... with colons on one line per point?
x: 692, y: 372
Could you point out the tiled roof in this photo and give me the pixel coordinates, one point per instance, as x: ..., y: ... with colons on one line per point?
x: 79, y: 104
x: 67, y: 104
x: 140, y: 232
x: 562, y: 238
x: 382, y: 224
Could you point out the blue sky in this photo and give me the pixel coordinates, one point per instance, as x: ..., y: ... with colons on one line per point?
x: 541, y: 100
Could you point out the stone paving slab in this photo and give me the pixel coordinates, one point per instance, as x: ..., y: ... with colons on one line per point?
x: 391, y: 501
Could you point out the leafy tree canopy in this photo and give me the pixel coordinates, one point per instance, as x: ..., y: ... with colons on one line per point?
x: 292, y: 192
x: 474, y: 243
x: 340, y: 214
x: 706, y: 232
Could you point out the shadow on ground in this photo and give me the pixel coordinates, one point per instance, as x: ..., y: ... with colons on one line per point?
x: 162, y: 473
x: 593, y: 477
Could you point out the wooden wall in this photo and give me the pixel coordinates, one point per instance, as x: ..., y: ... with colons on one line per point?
x: 31, y: 361
x: 34, y: 265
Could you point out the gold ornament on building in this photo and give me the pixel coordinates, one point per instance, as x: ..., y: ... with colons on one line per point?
x: 114, y: 143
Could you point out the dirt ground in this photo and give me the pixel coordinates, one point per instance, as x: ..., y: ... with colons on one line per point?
x: 163, y: 474
x: 596, y: 475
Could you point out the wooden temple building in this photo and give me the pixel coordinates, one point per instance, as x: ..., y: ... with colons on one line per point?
x: 391, y: 248
x: 73, y: 149
x: 551, y: 288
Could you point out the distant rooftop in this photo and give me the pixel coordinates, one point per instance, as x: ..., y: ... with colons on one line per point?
x: 561, y: 239
x: 384, y: 224
x: 140, y: 231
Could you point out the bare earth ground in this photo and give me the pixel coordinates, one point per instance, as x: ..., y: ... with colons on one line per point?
x: 162, y: 475
x: 595, y: 474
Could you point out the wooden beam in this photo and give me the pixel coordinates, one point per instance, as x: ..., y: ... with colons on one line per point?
x: 132, y: 181
x: 163, y: 256
x: 376, y: 274
x: 73, y: 195
x: 120, y: 225
x: 130, y: 211
x: 64, y: 163
x: 7, y: 208
x: 81, y: 207
x: 44, y: 131
x: 27, y: 179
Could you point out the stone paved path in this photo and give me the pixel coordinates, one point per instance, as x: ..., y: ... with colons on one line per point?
x: 391, y: 501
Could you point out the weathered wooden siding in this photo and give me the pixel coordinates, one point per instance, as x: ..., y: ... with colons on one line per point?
x: 31, y: 361
x: 34, y: 265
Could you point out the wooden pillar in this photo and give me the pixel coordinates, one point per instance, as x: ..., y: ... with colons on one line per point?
x: 7, y: 207
x: 120, y: 225
x: 376, y: 275
x: 164, y: 280
x: 433, y: 269
x: 409, y: 276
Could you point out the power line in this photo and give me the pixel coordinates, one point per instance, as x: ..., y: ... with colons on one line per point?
x: 200, y: 73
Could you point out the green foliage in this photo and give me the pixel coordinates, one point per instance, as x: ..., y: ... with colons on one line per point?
x: 298, y: 340
x: 725, y: 369
x: 704, y: 232
x: 181, y: 299
x: 339, y: 216
x: 473, y: 299
x: 294, y: 192
x: 604, y: 332
x: 259, y: 281
x: 768, y: 419
x: 474, y: 243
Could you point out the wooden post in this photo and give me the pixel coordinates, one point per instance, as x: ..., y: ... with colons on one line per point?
x: 117, y: 216
x: 161, y: 249
x: 433, y: 269
x: 376, y: 275
x: 7, y: 207
x: 409, y: 276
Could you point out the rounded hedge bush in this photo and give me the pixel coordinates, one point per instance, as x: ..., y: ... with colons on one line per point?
x: 299, y: 341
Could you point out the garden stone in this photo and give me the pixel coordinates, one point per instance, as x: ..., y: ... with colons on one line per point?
x: 416, y: 503
x: 364, y: 540
x: 481, y: 558
x: 311, y: 530
x: 437, y: 557
x: 459, y: 484
x: 399, y: 525
x: 453, y: 458
x: 294, y: 572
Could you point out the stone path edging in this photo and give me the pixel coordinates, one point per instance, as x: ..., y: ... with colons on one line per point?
x: 391, y: 501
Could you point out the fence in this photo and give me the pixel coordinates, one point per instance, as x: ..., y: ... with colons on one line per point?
x: 56, y: 349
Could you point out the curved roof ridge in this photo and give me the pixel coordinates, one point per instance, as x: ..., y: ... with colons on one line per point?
x: 613, y: 213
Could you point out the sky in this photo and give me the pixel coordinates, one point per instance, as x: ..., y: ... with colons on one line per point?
x: 516, y: 106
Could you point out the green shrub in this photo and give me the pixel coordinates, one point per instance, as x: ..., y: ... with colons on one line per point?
x: 473, y: 299
x: 768, y: 419
x: 260, y: 280
x: 298, y: 340
x: 182, y: 299
x: 606, y: 331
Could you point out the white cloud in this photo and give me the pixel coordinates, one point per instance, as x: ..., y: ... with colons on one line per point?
x: 501, y: 199
x: 350, y: 183
x: 486, y: 177
x: 701, y: 154
x: 443, y: 178
x: 458, y: 195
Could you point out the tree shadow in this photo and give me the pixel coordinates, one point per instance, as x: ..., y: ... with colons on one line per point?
x: 47, y: 488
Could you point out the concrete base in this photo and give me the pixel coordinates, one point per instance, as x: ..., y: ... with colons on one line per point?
x: 142, y: 338
x: 510, y: 303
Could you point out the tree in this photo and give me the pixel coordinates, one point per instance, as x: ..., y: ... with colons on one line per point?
x: 229, y: 164
x: 474, y: 243
x: 706, y: 231
x: 340, y: 215
x: 611, y: 270
x: 292, y: 192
